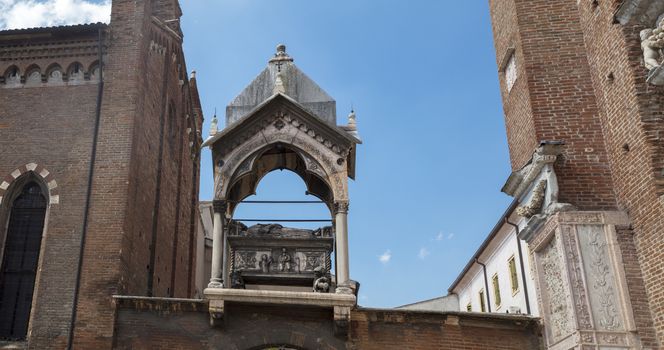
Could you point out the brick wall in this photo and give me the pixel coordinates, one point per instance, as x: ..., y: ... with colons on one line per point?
x: 141, y: 219
x: 50, y: 125
x: 144, y: 195
x: 586, y: 86
x: 632, y: 114
x: 553, y: 97
x: 637, y: 292
x: 183, y: 324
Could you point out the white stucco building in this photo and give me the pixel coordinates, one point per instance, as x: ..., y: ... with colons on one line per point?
x: 493, y: 280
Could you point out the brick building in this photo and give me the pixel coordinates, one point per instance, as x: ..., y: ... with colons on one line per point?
x: 100, y: 134
x: 584, y: 125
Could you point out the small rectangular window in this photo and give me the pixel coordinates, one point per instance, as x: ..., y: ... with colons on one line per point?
x: 496, y: 290
x: 469, y: 307
x: 510, y: 72
x: 514, y: 281
x: 482, y: 304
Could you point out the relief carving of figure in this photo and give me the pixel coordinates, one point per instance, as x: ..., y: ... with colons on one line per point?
x: 265, y: 263
x: 284, y: 261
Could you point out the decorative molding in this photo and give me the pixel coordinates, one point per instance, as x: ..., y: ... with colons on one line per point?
x: 576, y: 277
x: 557, y: 311
x: 602, y: 281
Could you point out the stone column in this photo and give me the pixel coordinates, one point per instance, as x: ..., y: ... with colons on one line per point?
x: 341, y: 242
x: 219, y: 207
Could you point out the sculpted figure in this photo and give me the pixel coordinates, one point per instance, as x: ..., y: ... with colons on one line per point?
x: 322, y: 281
x: 284, y: 261
x: 650, y: 49
x: 265, y: 263
x: 652, y: 43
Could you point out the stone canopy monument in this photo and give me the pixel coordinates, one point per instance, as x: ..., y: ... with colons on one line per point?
x: 282, y: 120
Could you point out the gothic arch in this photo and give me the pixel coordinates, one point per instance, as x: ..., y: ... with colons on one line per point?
x: 12, y: 75
x: 54, y: 74
x: 39, y: 172
x: 33, y: 75
x: 75, y: 72
x: 317, y: 163
x: 278, y: 156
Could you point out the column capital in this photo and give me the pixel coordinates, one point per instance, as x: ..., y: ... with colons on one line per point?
x: 341, y: 207
x: 219, y: 205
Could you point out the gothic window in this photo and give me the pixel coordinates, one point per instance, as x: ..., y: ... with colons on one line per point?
x: 510, y: 72
x: 482, y: 303
x: 19, y: 261
x: 514, y: 281
x: 496, y: 290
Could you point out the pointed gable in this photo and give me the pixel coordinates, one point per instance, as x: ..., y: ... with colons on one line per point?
x: 281, y: 75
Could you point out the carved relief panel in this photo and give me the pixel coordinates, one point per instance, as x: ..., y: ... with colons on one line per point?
x: 580, y: 282
x: 554, y: 291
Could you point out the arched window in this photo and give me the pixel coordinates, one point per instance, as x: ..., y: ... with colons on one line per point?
x: 19, y: 261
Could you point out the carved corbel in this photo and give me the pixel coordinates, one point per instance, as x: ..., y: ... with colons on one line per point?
x: 534, y: 206
x: 341, y: 321
x: 216, y: 309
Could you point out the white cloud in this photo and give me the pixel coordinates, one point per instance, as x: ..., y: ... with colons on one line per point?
x: 424, y: 252
x: 439, y: 236
x: 385, y: 257
x: 450, y: 236
x: 16, y: 14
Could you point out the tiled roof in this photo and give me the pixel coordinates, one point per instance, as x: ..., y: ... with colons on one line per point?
x: 63, y: 29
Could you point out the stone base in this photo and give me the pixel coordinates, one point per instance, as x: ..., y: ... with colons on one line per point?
x: 581, y: 283
x: 340, y: 303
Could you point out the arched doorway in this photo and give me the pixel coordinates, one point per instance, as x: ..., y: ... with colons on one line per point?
x: 20, y: 254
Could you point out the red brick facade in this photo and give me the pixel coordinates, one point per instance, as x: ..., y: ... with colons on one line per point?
x: 139, y: 237
x: 183, y: 324
x: 581, y: 80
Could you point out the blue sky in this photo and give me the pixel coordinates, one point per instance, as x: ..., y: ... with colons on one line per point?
x: 422, y: 78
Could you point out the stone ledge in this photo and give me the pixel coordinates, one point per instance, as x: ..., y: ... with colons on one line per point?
x: 456, y: 318
x: 159, y: 304
x: 280, y: 297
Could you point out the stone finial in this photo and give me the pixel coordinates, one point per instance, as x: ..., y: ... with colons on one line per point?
x: 193, y: 74
x: 213, y: 125
x: 281, y: 54
x: 352, y: 122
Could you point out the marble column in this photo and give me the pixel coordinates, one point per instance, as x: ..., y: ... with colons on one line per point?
x: 341, y: 242
x: 219, y: 207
